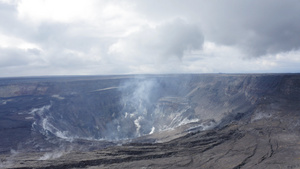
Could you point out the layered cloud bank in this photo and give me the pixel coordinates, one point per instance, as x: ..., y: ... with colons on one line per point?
x: 54, y: 37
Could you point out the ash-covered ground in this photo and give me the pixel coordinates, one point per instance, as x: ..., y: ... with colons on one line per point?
x: 153, y: 121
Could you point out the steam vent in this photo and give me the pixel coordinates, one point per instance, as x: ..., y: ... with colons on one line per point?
x: 228, y: 121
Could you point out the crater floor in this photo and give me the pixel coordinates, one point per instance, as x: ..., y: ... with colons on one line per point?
x: 258, y: 127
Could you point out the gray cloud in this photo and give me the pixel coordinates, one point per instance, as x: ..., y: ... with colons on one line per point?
x: 7, y: 16
x: 59, y: 46
x: 165, y: 41
x: 18, y: 57
x: 178, y: 37
x: 11, y: 25
x: 138, y: 36
x: 256, y: 27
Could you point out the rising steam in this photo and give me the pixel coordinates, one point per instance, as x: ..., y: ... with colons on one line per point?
x: 147, y: 105
x: 147, y: 110
x: 135, y: 119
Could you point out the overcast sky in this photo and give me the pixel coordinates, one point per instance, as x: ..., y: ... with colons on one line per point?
x: 95, y: 37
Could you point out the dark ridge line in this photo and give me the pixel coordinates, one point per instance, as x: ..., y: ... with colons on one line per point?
x: 97, y: 162
x: 244, y: 162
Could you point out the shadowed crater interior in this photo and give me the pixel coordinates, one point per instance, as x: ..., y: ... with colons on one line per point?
x: 151, y: 121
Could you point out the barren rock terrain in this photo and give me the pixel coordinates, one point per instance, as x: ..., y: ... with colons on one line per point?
x: 169, y: 121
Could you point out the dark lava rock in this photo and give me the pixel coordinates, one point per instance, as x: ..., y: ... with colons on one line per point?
x: 256, y: 117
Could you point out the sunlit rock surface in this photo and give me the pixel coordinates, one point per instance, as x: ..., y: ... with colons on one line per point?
x: 154, y: 121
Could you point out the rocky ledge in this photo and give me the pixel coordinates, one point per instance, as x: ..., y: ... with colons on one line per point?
x: 259, y: 129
